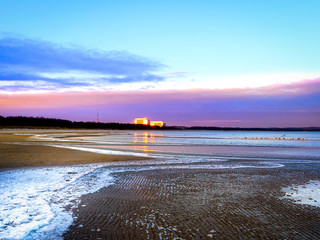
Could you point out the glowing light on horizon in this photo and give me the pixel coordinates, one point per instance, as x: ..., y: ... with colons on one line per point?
x: 157, y: 123
x: 147, y: 122
x: 142, y: 121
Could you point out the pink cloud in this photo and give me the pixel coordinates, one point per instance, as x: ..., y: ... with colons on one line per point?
x: 108, y: 98
x: 292, y: 104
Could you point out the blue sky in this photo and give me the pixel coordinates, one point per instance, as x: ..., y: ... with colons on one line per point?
x: 204, y: 37
x: 81, y: 46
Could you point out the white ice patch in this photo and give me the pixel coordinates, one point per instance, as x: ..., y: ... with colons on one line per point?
x: 103, y: 151
x: 195, y: 161
x: 23, y: 134
x: 33, y: 201
x: 201, y: 165
x: 304, y: 194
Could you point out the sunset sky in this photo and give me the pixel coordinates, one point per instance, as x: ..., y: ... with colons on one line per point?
x: 238, y: 63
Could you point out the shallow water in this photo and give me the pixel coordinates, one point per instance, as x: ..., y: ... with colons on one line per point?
x: 207, y: 137
x: 38, y: 202
x: 222, y: 143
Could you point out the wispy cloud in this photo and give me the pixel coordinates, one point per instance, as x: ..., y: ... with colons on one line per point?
x: 25, y: 60
x: 34, y: 66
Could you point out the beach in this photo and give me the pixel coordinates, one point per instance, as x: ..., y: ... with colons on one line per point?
x: 19, y: 149
x: 144, y: 185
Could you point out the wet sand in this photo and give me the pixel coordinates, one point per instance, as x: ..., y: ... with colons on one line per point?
x: 24, y: 151
x: 199, y: 204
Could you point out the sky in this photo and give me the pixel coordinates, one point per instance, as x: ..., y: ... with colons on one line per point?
x: 232, y: 63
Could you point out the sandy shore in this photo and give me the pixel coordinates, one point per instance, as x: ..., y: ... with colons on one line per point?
x: 175, y: 203
x: 198, y: 204
x: 25, y: 151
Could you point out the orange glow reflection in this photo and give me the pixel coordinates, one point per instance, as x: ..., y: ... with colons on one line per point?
x: 135, y: 138
x: 146, y: 137
x: 143, y: 149
x: 143, y: 140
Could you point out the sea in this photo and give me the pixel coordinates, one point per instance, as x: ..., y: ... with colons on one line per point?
x: 37, y: 202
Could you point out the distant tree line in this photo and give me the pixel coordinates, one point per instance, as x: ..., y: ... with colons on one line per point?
x: 41, y: 122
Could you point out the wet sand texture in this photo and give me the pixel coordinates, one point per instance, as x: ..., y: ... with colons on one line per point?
x: 197, y: 204
x: 21, y: 151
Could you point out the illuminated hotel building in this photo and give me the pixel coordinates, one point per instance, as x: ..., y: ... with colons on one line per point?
x: 142, y: 121
x: 157, y: 123
x: 147, y: 122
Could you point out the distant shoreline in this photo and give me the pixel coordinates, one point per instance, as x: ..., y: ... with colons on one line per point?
x: 51, y: 123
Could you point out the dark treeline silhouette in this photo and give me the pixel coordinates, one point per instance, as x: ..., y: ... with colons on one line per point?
x: 41, y: 122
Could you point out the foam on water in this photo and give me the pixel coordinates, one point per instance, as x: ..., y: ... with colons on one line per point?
x: 33, y: 201
x: 304, y: 194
